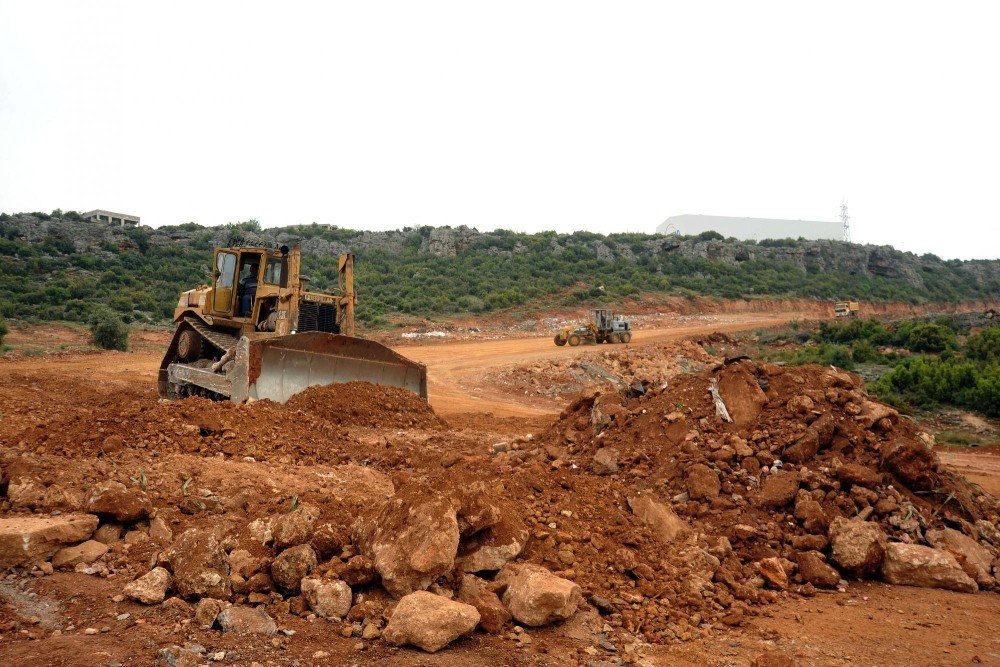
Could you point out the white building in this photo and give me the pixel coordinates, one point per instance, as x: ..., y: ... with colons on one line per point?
x: 121, y: 219
x: 752, y: 229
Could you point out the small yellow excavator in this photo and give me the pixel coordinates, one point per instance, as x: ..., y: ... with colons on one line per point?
x: 604, y: 327
x: 258, y: 332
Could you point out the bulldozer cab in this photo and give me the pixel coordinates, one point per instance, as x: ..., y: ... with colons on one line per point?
x: 243, y: 274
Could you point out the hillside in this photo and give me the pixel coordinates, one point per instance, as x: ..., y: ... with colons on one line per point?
x: 59, y: 267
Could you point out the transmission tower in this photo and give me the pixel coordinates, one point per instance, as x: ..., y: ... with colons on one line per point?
x: 846, y: 222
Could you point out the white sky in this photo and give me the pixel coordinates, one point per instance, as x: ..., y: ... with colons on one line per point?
x: 524, y: 115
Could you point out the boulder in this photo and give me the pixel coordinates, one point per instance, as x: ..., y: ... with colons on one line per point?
x: 772, y: 571
x: 291, y: 566
x: 778, y: 490
x: 661, y: 519
x: 476, y: 509
x: 246, y: 621
x: 412, y: 539
x: 85, y: 553
x: 872, y: 413
x: 917, y: 565
x: 535, y: 596
x: 814, y: 569
x: 206, y: 611
x: 857, y: 546
x: 913, y: 462
x: 25, y: 540
x: 108, y: 533
x: 740, y: 391
x: 329, y: 599
x: 975, y: 559
x: 429, y: 621
x: 702, y: 482
x: 492, y: 548
x: 150, y: 588
x: 295, y: 527
x: 199, y: 565
x: 492, y: 614
x: 854, y: 474
x: 605, y: 461
x: 116, y: 500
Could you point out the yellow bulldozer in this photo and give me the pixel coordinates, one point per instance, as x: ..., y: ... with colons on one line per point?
x: 258, y: 332
x: 603, y: 327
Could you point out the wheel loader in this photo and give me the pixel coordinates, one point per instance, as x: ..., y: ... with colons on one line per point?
x: 258, y: 332
x: 604, y: 327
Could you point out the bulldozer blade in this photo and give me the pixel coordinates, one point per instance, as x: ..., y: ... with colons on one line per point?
x: 277, y: 368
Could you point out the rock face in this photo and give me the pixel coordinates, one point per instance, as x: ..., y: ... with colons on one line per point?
x: 151, y: 587
x: 291, y: 566
x: 975, y: 559
x: 27, y: 539
x: 199, y: 565
x: 329, y: 599
x: 857, y: 546
x: 86, y: 553
x: 116, y: 500
x: 662, y: 520
x: 246, y: 621
x: 917, y: 565
x: 492, y: 614
x: 412, y: 540
x: 535, y: 596
x: 429, y: 621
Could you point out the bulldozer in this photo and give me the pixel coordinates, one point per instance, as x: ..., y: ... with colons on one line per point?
x: 603, y: 327
x: 258, y: 332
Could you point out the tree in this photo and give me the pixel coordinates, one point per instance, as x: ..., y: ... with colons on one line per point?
x: 108, y: 332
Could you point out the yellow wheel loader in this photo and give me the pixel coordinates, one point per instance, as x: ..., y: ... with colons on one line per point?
x: 258, y: 332
x: 604, y: 327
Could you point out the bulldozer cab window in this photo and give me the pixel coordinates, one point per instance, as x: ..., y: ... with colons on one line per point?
x: 272, y: 271
x: 225, y: 277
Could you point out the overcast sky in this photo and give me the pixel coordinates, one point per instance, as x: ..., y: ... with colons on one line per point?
x: 531, y: 116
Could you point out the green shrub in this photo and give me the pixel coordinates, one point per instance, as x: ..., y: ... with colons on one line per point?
x: 985, y: 345
x: 3, y: 330
x: 863, y: 352
x: 107, y: 331
x: 930, y: 338
x: 928, y: 381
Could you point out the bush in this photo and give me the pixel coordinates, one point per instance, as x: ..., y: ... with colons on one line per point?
x: 930, y: 338
x: 928, y: 381
x: 3, y: 330
x: 985, y: 345
x: 107, y: 331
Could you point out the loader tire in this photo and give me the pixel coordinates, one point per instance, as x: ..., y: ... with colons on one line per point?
x: 626, y: 337
x: 189, y: 345
x: 574, y: 340
x: 560, y: 341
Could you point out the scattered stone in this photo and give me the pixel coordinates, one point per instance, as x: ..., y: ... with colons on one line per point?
x: 291, y: 566
x: 535, y: 596
x: 150, y: 588
x: 662, y: 520
x: 357, y: 571
x: 917, y: 565
x: 913, y: 462
x: 492, y: 614
x: 199, y: 565
x: 295, y: 527
x: 329, y: 538
x: 774, y: 659
x: 605, y: 461
x: 27, y: 539
x: 429, y: 621
x: 702, y: 482
x: 492, y: 548
x: 773, y: 572
x: 116, y: 500
x: 814, y: 569
x: 85, y: 553
x: 853, y: 473
x: 160, y: 531
x: 207, y: 610
x: 246, y: 621
x: 778, y: 490
x: 329, y: 599
x: 476, y: 509
x: 857, y: 546
x: 108, y: 533
x: 243, y: 563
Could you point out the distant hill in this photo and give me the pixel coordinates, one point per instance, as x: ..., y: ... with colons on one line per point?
x: 61, y: 267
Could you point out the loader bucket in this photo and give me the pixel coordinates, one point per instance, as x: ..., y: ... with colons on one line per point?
x: 277, y: 368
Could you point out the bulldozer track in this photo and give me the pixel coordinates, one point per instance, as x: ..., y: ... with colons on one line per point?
x: 223, y: 341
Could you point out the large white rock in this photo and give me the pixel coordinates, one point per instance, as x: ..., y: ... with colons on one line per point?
x: 535, y: 596
x: 917, y: 565
x: 329, y: 599
x: 429, y: 621
x: 25, y: 540
x: 151, y: 587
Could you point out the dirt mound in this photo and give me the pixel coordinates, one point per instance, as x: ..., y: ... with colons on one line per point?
x: 366, y: 404
x: 802, y: 447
